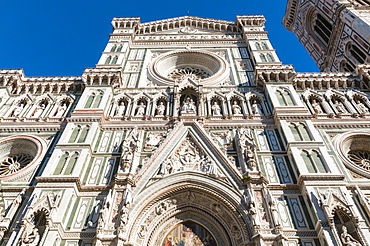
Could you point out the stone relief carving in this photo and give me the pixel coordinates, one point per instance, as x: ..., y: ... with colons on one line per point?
x: 129, y: 148
x: 31, y: 236
x: 248, y: 147
x: 189, y: 157
x: 153, y: 140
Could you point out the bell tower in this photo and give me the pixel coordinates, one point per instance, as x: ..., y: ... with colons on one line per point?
x: 336, y: 33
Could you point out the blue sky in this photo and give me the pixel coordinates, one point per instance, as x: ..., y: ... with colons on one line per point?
x: 62, y: 38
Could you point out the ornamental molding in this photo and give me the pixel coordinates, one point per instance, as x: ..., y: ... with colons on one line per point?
x: 148, y: 222
x: 17, y: 83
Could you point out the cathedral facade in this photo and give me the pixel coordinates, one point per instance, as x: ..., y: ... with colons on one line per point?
x: 189, y: 131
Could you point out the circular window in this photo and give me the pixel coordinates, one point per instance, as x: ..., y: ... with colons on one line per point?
x: 354, y: 150
x: 205, y: 67
x: 16, y: 153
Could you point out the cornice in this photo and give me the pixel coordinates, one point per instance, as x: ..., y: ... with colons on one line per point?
x: 17, y: 83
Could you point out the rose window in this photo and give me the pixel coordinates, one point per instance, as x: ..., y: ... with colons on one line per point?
x: 14, y: 163
x: 175, y: 66
x: 18, y: 153
x: 354, y: 150
x: 360, y: 158
x: 188, y: 72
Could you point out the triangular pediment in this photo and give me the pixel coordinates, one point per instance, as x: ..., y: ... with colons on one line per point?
x: 188, y: 149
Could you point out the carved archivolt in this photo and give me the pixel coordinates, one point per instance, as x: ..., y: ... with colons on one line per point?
x: 189, y: 203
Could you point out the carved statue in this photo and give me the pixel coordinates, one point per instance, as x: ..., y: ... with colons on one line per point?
x: 236, y: 108
x: 255, y: 107
x: 62, y: 107
x: 124, y: 215
x: 340, y: 107
x: 160, y: 109
x: 216, y: 110
x: 18, y: 109
x: 103, y: 214
x: 167, y: 167
x: 362, y: 107
x: 347, y: 239
x: 121, y: 109
x: 152, y: 140
x: 31, y: 234
x: 188, y: 106
x: 316, y: 107
x: 39, y: 109
x: 140, y: 109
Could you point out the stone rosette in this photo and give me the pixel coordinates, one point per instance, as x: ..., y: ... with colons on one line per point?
x: 18, y: 153
x: 213, y: 68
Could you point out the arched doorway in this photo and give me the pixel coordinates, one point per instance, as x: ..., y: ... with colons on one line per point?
x: 210, y: 216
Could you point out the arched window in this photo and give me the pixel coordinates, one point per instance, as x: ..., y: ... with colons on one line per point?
x: 284, y: 97
x: 263, y: 58
x: 269, y: 57
x: 83, y: 134
x: 62, y: 162
x: 357, y: 53
x: 115, y: 59
x: 313, y: 162
x: 258, y: 46
x: 119, y: 49
x: 75, y: 134
x: 109, y: 58
x: 264, y: 46
x: 300, y: 132
x: 113, y: 49
x: 323, y: 28
x: 71, y: 164
x: 347, y: 67
x: 90, y: 100
x: 97, y: 100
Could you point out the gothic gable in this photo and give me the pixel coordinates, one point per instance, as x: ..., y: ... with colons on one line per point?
x: 188, y: 149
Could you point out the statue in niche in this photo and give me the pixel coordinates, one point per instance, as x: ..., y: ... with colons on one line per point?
x: 31, y: 234
x: 39, y: 109
x: 121, y: 109
x: 236, y: 108
x: 160, y: 109
x: 362, y: 107
x: 340, y: 107
x: 140, y: 109
x: 188, y: 106
x: 255, y: 107
x: 347, y: 239
x: 124, y: 215
x: 247, y: 144
x: 18, y: 109
x: 62, y: 107
x: 216, y: 110
x: 316, y: 107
